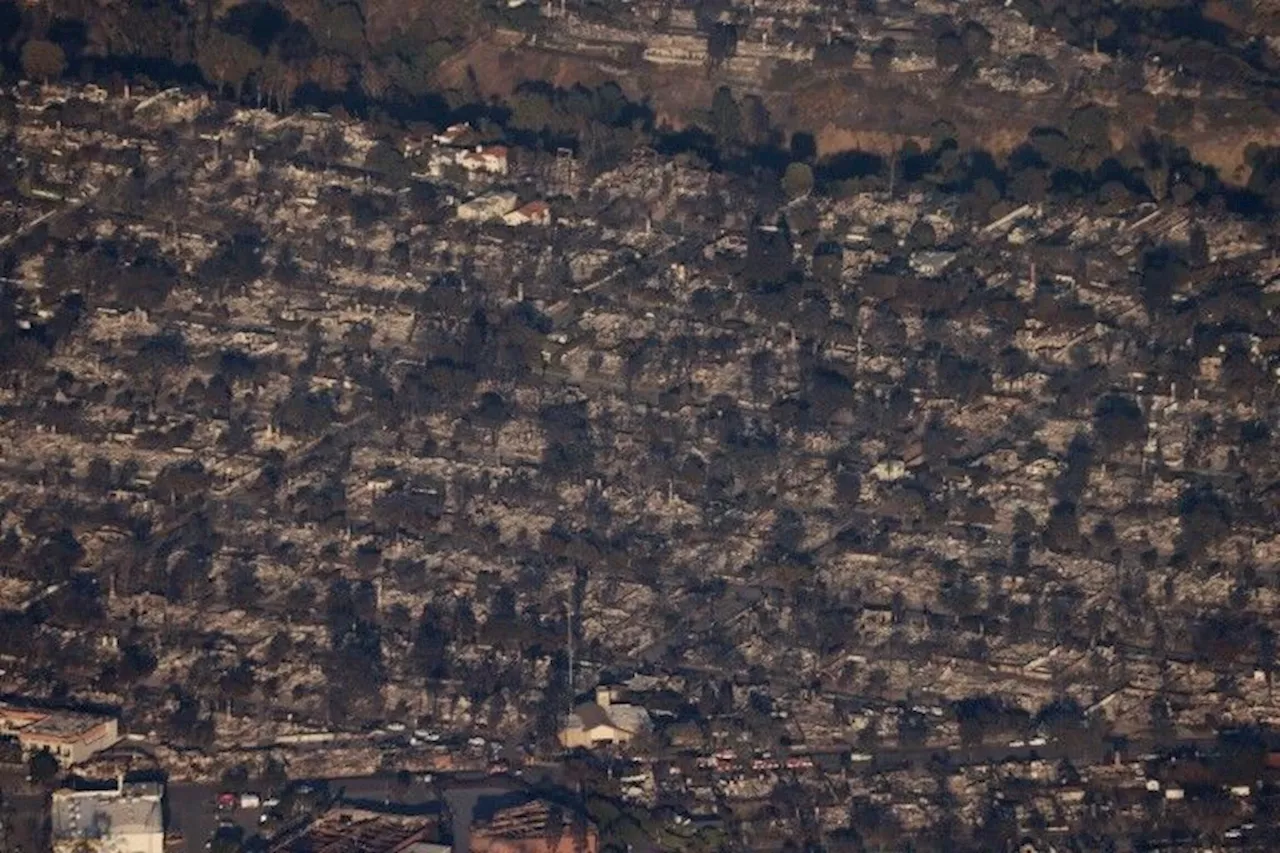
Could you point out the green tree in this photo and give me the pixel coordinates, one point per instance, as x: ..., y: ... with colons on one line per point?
x: 243, y: 589
x: 1052, y: 146
x: 42, y: 767
x: 237, y: 683
x: 726, y: 117
x: 828, y: 263
x: 797, y: 181
x: 976, y: 39
x: 1030, y: 184
x: 722, y: 42
x: 275, y: 776
x: 227, y: 60
x: 1088, y: 128
x: 949, y: 50
x: 339, y: 26
x: 276, y: 80
x: 921, y: 236
x: 882, y: 55
x: 333, y: 148
x: 224, y: 844
x: 1198, y: 247
x: 877, y: 682
x: 43, y: 60
x: 755, y: 121
x: 235, y: 778
x: 385, y: 159
x: 530, y: 110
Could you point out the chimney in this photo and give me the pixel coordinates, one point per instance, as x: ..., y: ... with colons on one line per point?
x: 604, y: 696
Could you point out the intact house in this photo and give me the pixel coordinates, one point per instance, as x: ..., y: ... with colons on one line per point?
x: 491, y: 159
x: 453, y: 135
x: 72, y: 737
x: 604, y: 722
x: 128, y: 818
x: 448, y: 152
x: 533, y: 213
x: 487, y: 207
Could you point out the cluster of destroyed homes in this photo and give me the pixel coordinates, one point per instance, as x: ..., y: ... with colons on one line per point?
x: 129, y: 817
x: 1170, y: 797
x: 415, y: 447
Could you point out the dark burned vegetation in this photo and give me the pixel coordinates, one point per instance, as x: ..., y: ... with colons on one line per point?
x: 919, y: 454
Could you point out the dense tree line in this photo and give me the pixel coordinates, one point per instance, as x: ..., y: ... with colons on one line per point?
x: 258, y: 48
x: 343, y: 52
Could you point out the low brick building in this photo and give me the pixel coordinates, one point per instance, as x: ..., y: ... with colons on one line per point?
x: 343, y: 830
x: 72, y: 737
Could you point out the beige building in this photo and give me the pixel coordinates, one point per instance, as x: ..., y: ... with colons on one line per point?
x: 485, y: 158
x: 533, y: 213
x: 126, y: 819
x: 72, y: 737
x: 454, y: 134
x: 487, y: 207
x: 604, y: 722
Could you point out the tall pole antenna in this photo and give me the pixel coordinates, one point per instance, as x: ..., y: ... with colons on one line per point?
x: 568, y: 621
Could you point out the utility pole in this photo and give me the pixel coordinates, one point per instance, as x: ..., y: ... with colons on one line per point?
x: 568, y: 620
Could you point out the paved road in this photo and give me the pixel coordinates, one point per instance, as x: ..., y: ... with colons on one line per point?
x: 28, y: 811
x: 192, y: 808
x: 193, y: 812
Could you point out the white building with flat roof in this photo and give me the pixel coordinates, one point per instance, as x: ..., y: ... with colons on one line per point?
x: 126, y: 819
